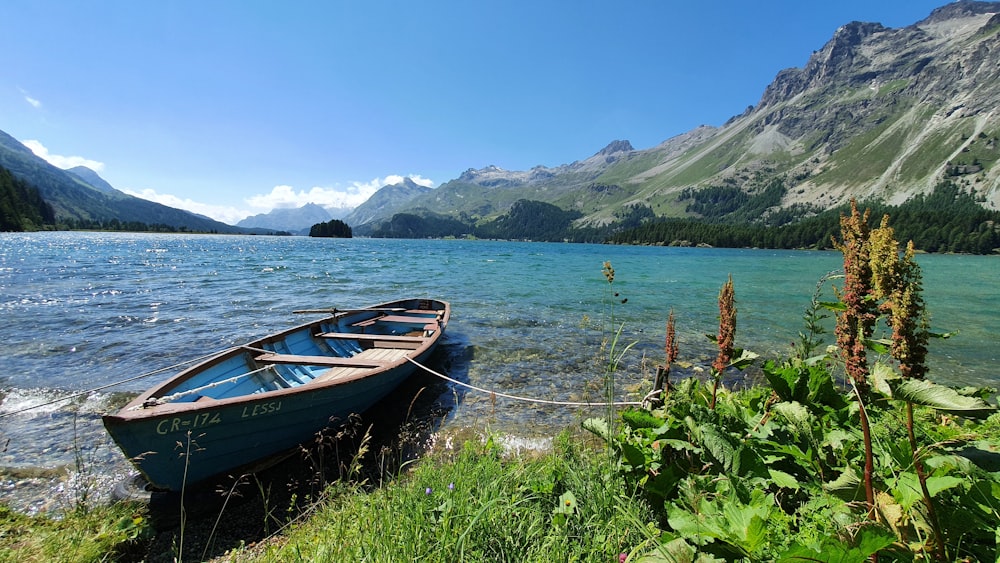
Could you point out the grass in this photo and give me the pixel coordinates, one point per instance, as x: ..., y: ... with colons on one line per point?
x: 475, y: 504
x: 471, y: 502
x: 96, y: 534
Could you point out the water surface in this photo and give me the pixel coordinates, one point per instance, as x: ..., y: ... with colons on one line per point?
x: 87, y: 310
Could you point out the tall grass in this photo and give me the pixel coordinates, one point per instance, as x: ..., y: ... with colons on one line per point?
x: 102, y: 533
x: 475, y: 504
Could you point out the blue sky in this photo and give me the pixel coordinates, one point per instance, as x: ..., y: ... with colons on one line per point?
x: 232, y: 108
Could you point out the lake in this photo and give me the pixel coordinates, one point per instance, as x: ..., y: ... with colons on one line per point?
x: 82, y: 311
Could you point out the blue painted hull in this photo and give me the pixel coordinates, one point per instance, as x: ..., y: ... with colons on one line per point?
x: 252, y: 402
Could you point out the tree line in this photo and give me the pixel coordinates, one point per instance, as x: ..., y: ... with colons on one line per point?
x: 947, y: 220
x: 21, y: 206
x: 334, y: 228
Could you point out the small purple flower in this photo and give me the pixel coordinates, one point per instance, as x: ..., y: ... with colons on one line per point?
x: 622, y: 557
x: 451, y: 486
x: 428, y: 491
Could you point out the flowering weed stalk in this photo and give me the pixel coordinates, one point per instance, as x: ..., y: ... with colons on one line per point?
x: 614, y: 355
x: 661, y: 387
x: 726, y: 336
x: 857, y: 321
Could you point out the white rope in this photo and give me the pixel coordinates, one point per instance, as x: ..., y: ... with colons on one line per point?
x: 525, y: 399
x: 179, y: 394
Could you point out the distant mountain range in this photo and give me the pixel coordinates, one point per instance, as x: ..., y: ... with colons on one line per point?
x: 296, y: 220
x: 80, y: 194
x: 877, y: 113
x: 387, y: 201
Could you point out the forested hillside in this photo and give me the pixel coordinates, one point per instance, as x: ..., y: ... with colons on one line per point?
x: 21, y: 206
x: 949, y: 219
x: 946, y: 220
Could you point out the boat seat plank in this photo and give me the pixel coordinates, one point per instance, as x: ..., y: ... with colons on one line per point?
x: 402, y: 319
x: 360, y: 336
x: 338, y: 373
x: 319, y: 361
x: 383, y: 354
x: 406, y: 319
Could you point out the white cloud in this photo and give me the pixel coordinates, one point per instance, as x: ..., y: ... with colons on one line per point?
x: 59, y: 161
x: 226, y: 214
x: 350, y: 196
x: 282, y: 196
x: 34, y: 102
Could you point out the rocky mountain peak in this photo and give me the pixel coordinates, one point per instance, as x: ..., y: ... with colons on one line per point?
x: 959, y: 9
x: 616, y: 147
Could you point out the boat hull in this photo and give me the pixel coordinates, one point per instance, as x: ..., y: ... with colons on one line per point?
x: 187, y: 441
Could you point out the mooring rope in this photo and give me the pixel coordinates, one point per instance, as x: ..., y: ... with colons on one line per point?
x: 525, y: 399
x: 196, y: 390
x: 418, y: 364
x: 109, y: 385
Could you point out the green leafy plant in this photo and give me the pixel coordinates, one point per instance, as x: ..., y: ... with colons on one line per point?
x: 804, y: 469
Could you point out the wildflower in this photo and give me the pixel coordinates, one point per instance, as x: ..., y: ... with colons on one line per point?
x: 622, y: 557
x: 884, y: 260
x: 727, y: 326
x: 609, y: 272
x: 727, y: 334
x: 857, y: 322
x: 909, y: 319
x: 451, y: 486
x: 428, y: 491
x: 662, y: 382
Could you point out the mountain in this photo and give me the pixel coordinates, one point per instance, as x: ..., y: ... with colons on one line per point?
x: 80, y: 194
x: 877, y: 113
x: 385, y: 202
x: 294, y: 220
x: 92, y: 178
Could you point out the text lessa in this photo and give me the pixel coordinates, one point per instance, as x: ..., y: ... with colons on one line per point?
x: 201, y: 420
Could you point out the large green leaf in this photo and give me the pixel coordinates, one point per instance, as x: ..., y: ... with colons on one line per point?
x: 633, y: 455
x: 674, y: 551
x: 719, y: 445
x: 940, y: 397
x: 783, y: 479
x: 847, y: 486
x: 795, y: 414
x: 881, y: 378
x: 869, y: 540
x: 598, y: 426
x: 835, y: 306
x: 725, y: 518
x: 637, y: 418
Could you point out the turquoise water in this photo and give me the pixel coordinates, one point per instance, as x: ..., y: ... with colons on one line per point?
x: 86, y: 310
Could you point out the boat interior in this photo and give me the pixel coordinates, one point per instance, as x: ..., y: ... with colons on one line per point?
x: 328, y: 350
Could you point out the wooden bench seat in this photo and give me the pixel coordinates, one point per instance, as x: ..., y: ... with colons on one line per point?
x: 385, y: 355
x: 362, y: 336
x: 331, y: 361
x: 407, y: 319
x: 400, y: 319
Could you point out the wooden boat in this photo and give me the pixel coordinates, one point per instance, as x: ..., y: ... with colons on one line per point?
x: 257, y: 400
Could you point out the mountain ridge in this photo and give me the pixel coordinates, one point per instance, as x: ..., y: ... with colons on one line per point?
x: 876, y: 112
x: 80, y: 195
x: 296, y: 220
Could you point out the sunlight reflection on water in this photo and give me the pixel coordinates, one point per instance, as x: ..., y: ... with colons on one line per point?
x: 82, y: 310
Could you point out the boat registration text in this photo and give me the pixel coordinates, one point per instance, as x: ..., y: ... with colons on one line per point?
x: 202, y: 420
